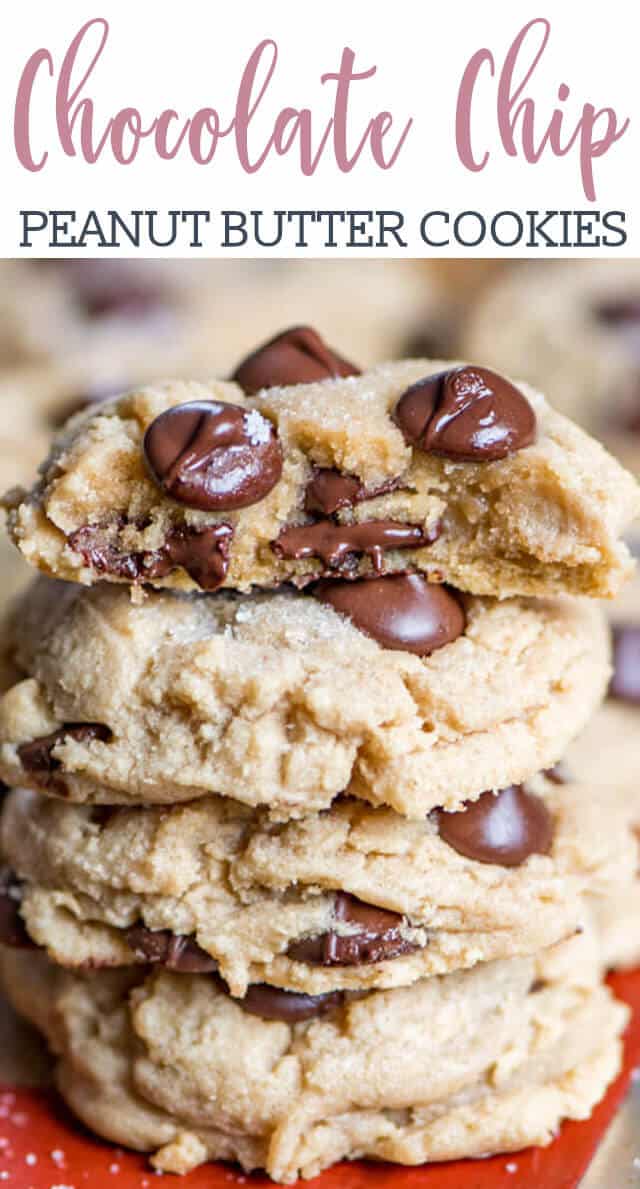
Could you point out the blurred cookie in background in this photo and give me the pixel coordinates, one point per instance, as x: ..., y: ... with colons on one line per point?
x: 457, y: 286
x: 34, y: 401
x: 574, y: 329
x: 150, y: 319
x: 608, y: 752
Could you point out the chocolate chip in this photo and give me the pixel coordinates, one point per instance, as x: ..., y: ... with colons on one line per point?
x: 213, y: 456
x: 116, y: 290
x: 296, y: 356
x: 328, y: 491
x: 37, y: 759
x: 202, y: 552
x: 12, y: 927
x: 559, y: 774
x: 399, y: 611
x: 161, y: 947
x: 335, y: 544
x: 272, y: 1003
x: 468, y: 414
x: 102, y: 815
x: 376, y: 937
x: 503, y: 828
x: 625, y: 683
x: 622, y: 311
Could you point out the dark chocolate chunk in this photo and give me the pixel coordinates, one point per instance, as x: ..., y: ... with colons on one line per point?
x: 625, y: 683
x: 399, y: 611
x: 468, y: 414
x: 335, y: 544
x: 329, y: 491
x: 296, y: 356
x: 213, y: 456
x: 12, y: 927
x: 272, y: 1003
x: 36, y: 756
x: 503, y: 828
x: 559, y: 774
x: 161, y: 947
x: 202, y: 552
x: 376, y: 937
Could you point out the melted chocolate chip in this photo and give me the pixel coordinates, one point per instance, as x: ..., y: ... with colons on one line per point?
x: 376, y: 937
x: 36, y: 756
x: 202, y: 552
x: 329, y: 491
x: 335, y: 543
x: 503, y: 829
x: 399, y: 611
x: 12, y: 927
x: 213, y: 456
x: 161, y: 947
x: 296, y: 356
x: 272, y: 1003
x: 468, y: 414
x: 625, y: 683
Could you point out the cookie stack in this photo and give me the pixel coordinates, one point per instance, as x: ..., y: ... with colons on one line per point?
x: 293, y: 871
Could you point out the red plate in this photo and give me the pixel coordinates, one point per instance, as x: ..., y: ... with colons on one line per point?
x: 42, y: 1147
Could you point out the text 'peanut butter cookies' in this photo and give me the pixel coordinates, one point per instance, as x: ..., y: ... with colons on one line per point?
x: 170, y: 1064
x: 352, y: 899
x: 280, y: 700
x: 443, y: 468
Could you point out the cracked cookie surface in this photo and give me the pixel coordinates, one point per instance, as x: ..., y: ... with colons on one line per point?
x: 282, y: 904
x: 545, y: 518
x: 170, y: 1064
x: 279, y: 700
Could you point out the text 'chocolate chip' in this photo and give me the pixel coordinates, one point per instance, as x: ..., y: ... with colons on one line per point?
x: 213, y: 456
x: 468, y: 414
x: 296, y: 356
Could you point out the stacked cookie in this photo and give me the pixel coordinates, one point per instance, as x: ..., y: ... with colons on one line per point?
x: 292, y: 872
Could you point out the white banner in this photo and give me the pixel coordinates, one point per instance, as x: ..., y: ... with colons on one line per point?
x: 340, y: 129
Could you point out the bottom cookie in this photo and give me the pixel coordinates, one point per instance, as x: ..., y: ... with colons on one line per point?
x: 462, y: 1065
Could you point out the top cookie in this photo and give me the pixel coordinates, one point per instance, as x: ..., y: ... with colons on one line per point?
x: 439, y: 467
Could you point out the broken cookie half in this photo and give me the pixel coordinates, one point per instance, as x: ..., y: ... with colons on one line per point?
x: 301, y: 468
